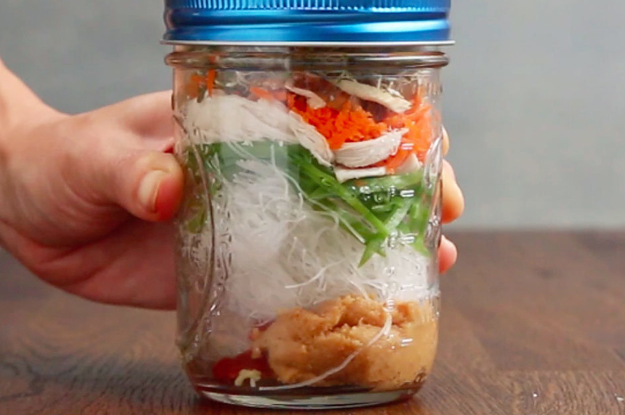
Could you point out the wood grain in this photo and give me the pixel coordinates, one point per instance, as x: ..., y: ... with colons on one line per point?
x: 532, y: 323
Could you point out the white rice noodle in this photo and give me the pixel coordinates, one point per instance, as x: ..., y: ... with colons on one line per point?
x: 370, y: 93
x: 252, y: 375
x: 281, y: 253
x: 368, y: 152
x: 343, y: 174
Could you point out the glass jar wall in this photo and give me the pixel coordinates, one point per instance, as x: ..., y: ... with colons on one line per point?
x: 307, y: 266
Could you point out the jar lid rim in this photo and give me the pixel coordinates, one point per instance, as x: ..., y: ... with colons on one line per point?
x: 311, y: 22
x: 306, y: 44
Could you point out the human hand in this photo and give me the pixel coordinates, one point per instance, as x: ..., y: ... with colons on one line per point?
x: 80, y: 193
x: 77, y: 192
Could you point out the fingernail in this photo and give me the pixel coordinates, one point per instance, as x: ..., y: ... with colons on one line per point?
x: 148, y: 189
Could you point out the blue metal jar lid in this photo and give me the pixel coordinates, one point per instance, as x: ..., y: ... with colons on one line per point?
x: 307, y: 22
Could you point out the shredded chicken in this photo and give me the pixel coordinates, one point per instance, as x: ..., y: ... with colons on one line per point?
x: 411, y: 164
x: 311, y: 139
x: 230, y: 118
x: 371, y: 93
x: 314, y: 101
x: 366, y: 153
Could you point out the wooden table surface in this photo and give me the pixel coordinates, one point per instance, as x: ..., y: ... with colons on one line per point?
x: 532, y: 323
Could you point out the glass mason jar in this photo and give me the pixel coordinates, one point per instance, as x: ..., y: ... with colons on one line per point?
x: 308, y: 234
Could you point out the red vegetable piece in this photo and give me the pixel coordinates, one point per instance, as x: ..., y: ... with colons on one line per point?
x: 227, y: 369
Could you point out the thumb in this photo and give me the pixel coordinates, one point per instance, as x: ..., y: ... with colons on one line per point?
x: 120, y: 165
x: 127, y: 168
x: 109, y: 172
x: 147, y: 184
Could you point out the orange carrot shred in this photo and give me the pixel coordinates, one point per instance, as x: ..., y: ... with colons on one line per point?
x: 351, y: 123
x: 396, y: 160
x: 418, y: 121
x: 340, y: 126
x: 279, y: 95
x: 193, y: 86
x: 210, y: 81
x: 261, y: 93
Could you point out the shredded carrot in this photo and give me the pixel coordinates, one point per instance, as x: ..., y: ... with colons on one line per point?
x: 274, y: 95
x: 279, y: 95
x: 261, y: 93
x: 194, y: 84
x: 351, y: 123
x: 296, y: 103
x: 210, y: 81
x: 396, y: 160
x: 339, y: 126
x: 418, y: 121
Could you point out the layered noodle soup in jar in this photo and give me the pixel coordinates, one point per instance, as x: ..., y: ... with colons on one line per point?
x: 307, y: 238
